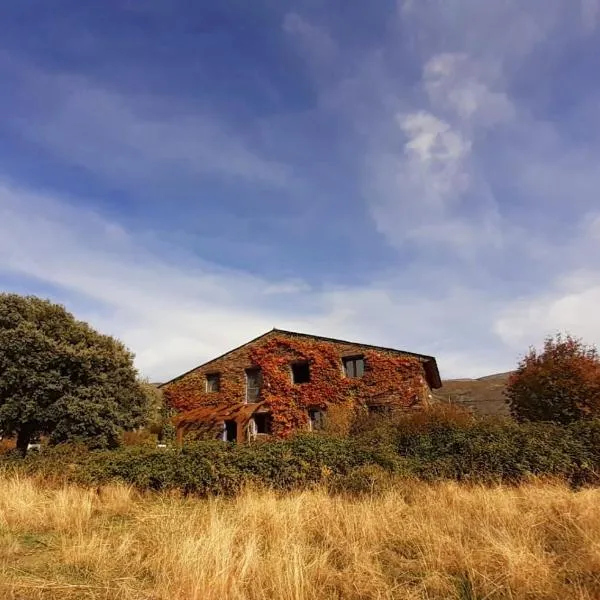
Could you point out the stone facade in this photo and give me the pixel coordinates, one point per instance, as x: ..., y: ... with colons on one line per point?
x: 285, y: 381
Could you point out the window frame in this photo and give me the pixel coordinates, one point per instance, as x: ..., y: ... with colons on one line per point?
x: 323, y: 414
x: 353, y: 360
x: 212, y: 377
x: 300, y: 363
x: 247, y: 371
x: 229, y: 427
x: 265, y: 419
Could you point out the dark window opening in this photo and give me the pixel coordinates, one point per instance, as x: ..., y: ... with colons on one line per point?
x: 354, y: 366
x: 263, y: 422
x: 230, y: 431
x: 300, y: 372
x: 213, y: 382
x: 253, y: 384
x: 316, y: 418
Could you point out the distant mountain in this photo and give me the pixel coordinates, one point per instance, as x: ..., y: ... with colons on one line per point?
x: 483, y: 396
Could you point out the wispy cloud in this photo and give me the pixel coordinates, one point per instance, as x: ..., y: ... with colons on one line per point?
x: 315, y: 41
x: 463, y: 170
x: 135, y: 139
x: 454, y: 146
x: 175, y: 311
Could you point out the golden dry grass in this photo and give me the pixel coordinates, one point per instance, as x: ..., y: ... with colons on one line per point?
x: 416, y: 541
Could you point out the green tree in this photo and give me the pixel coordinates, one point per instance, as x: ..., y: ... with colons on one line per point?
x: 159, y: 414
x: 59, y: 377
x: 560, y: 384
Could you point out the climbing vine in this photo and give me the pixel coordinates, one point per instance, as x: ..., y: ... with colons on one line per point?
x: 389, y: 378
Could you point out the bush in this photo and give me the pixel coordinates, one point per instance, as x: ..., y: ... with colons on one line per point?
x: 438, y: 446
x: 140, y: 437
x: 213, y: 467
x: 498, y: 451
x: 560, y: 384
x: 7, y: 445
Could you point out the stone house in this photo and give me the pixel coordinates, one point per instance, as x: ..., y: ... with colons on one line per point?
x: 283, y: 381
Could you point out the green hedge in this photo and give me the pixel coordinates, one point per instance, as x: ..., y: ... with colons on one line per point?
x: 212, y: 467
x: 477, y: 450
x: 504, y: 451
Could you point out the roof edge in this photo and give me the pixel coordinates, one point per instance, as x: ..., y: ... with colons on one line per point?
x: 436, y: 380
x: 430, y: 363
x: 262, y: 335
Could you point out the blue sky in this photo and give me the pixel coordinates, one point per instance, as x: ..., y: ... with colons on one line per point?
x: 420, y: 174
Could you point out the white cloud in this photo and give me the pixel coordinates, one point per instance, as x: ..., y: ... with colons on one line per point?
x: 426, y: 183
x: 173, y: 313
x: 570, y: 304
x: 469, y: 131
x: 432, y: 140
x: 177, y: 311
x: 529, y: 321
x: 464, y: 85
x: 287, y: 287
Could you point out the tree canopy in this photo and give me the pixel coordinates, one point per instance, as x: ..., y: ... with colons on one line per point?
x: 560, y: 384
x: 61, y: 378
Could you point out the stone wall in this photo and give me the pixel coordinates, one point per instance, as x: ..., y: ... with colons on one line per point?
x: 390, y: 379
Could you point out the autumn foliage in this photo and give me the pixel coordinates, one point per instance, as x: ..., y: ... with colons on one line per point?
x: 391, y: 379
x: 560, y: 384
x: 387, y: 379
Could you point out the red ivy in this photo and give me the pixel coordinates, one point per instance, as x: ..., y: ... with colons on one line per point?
x: 394, y: 379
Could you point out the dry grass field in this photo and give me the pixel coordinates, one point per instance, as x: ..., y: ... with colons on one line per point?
x: 417, y: 540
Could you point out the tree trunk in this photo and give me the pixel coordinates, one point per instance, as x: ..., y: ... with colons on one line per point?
x: 23, y: 439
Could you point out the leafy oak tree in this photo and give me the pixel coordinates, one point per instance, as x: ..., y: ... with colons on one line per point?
x: 560, y: 384
x: 60, y: 378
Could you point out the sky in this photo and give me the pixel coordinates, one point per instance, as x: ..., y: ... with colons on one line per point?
x: 420, y: 174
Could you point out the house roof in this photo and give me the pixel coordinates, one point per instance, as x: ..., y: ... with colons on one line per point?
x: 429, y: 362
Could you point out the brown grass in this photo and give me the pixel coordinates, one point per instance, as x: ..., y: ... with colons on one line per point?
x: 416, y: 541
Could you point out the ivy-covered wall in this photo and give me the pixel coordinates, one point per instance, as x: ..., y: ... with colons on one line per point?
x: 389, y: 378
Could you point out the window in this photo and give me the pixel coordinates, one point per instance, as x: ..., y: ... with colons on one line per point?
x: 253, y: 384
x: 354, y: 366
x: 213, y: 382
x: 263, y: 422
x: 229, y: 431
x: 316, y: 419
x: 300, y: 372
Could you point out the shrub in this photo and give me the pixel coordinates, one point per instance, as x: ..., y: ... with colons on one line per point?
x: 436, y: 447
x: 141, y: 437
x: 498, y: 451
x: 7, y: 445
x: 560, y: 384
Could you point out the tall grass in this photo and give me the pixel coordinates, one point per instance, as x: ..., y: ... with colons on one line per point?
x: 414, y: 541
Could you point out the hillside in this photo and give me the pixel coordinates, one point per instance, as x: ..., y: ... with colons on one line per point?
x: 483, y: 395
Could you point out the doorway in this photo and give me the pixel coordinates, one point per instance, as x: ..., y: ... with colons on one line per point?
x: 230, y: 431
